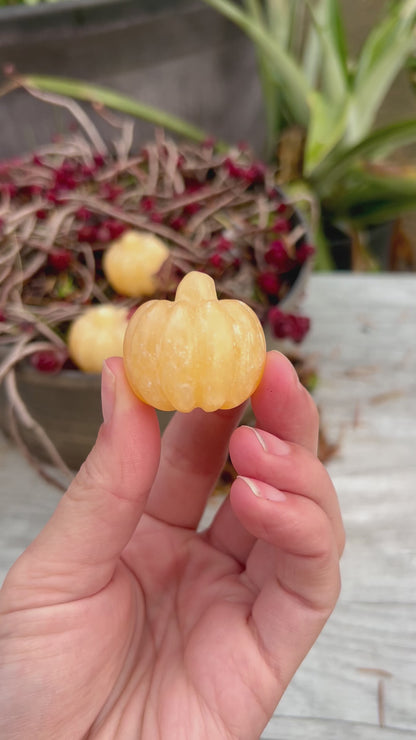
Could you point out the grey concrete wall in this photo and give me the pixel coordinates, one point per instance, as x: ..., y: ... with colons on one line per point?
x: 180, y: 56
x: 176, y: 54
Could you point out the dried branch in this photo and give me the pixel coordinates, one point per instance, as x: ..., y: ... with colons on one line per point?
x: 76, y: 111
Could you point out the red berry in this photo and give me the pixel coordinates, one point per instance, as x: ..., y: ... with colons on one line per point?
x: 288, y: 326
x: 83, y: 214
x: 255, y: 173
x: 269, y: 283
x: 115, y: 228
x: 281, y: 207
x: 278, y: 256
x: 304, y: 252
x: 99, y: 160
x: 281, y: 225
x: 223, y: 244
x: 64, y: 178
x: 192, y: 185
x: 191, y: 208
x: 252, y: 174
x: 87, y: 234
x: 41, y: 214
x: 147, y: 203
x: 178, y: 223
x: 300, y: 327
x: 48, y: 360
x: 59, y: 259
x: 216, y: 260
x: 110, y: 192
x: 233, y: 169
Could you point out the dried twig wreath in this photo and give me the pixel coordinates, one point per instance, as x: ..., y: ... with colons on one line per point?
x: 61, y: 207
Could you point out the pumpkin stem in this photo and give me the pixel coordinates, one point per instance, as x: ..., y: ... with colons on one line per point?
x: 196, y: 286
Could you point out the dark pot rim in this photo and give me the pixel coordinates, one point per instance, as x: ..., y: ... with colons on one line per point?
x: 65, y: 6
x: 18, y: 20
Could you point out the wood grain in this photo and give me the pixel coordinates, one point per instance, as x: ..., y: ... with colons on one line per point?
x: 362, y: 671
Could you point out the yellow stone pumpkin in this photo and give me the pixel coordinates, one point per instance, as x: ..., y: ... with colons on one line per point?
x: 96, y: 334
x: 132, y: 261
x: 195, y: 351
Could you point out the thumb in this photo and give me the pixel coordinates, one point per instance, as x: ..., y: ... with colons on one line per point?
x: 75, y: 555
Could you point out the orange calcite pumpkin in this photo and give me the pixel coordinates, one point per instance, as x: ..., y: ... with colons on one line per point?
x: 195, y: 351
x: 131, y: 262
x: 97, y: 334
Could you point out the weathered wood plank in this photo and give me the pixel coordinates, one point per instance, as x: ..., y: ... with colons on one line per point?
x: 26, y: 503
x: 363, y: 339
x: 362, y: 645
x: 295, y: 728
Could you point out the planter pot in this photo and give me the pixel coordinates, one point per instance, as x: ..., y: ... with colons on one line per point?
x: 66, y: 405
x: 176, y: 54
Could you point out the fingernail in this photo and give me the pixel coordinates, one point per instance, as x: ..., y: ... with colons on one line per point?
x: 251, y: 484
x: 270, y: 443
x: 260, y: 439
x: 264, y: 491
x: 108, y: 392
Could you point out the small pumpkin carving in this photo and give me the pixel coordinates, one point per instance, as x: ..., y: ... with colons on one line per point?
x: 131, y: 262
x: 96, y: 334
x: 195, y: 351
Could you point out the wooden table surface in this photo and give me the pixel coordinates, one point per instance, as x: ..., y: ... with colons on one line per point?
x: 359, y: 680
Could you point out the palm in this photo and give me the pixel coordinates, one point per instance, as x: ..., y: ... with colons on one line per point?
x: 178, y: 640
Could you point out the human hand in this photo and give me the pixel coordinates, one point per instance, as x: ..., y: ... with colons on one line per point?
x: 121, y: 621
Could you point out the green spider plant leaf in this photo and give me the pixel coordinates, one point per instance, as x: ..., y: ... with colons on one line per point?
x: 326, y: 130
x: 376, y: 146
x: 286, y: 72
x: 383, y: 55
x: 328, y: 38
x: 271, y: 96
x: 374, y: 193
x: 283, y: 18
x: 116, y: 101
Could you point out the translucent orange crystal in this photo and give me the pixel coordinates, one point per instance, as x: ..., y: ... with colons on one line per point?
x: 195, y: 351
x: 97, y: 334
x: 132, y: 261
